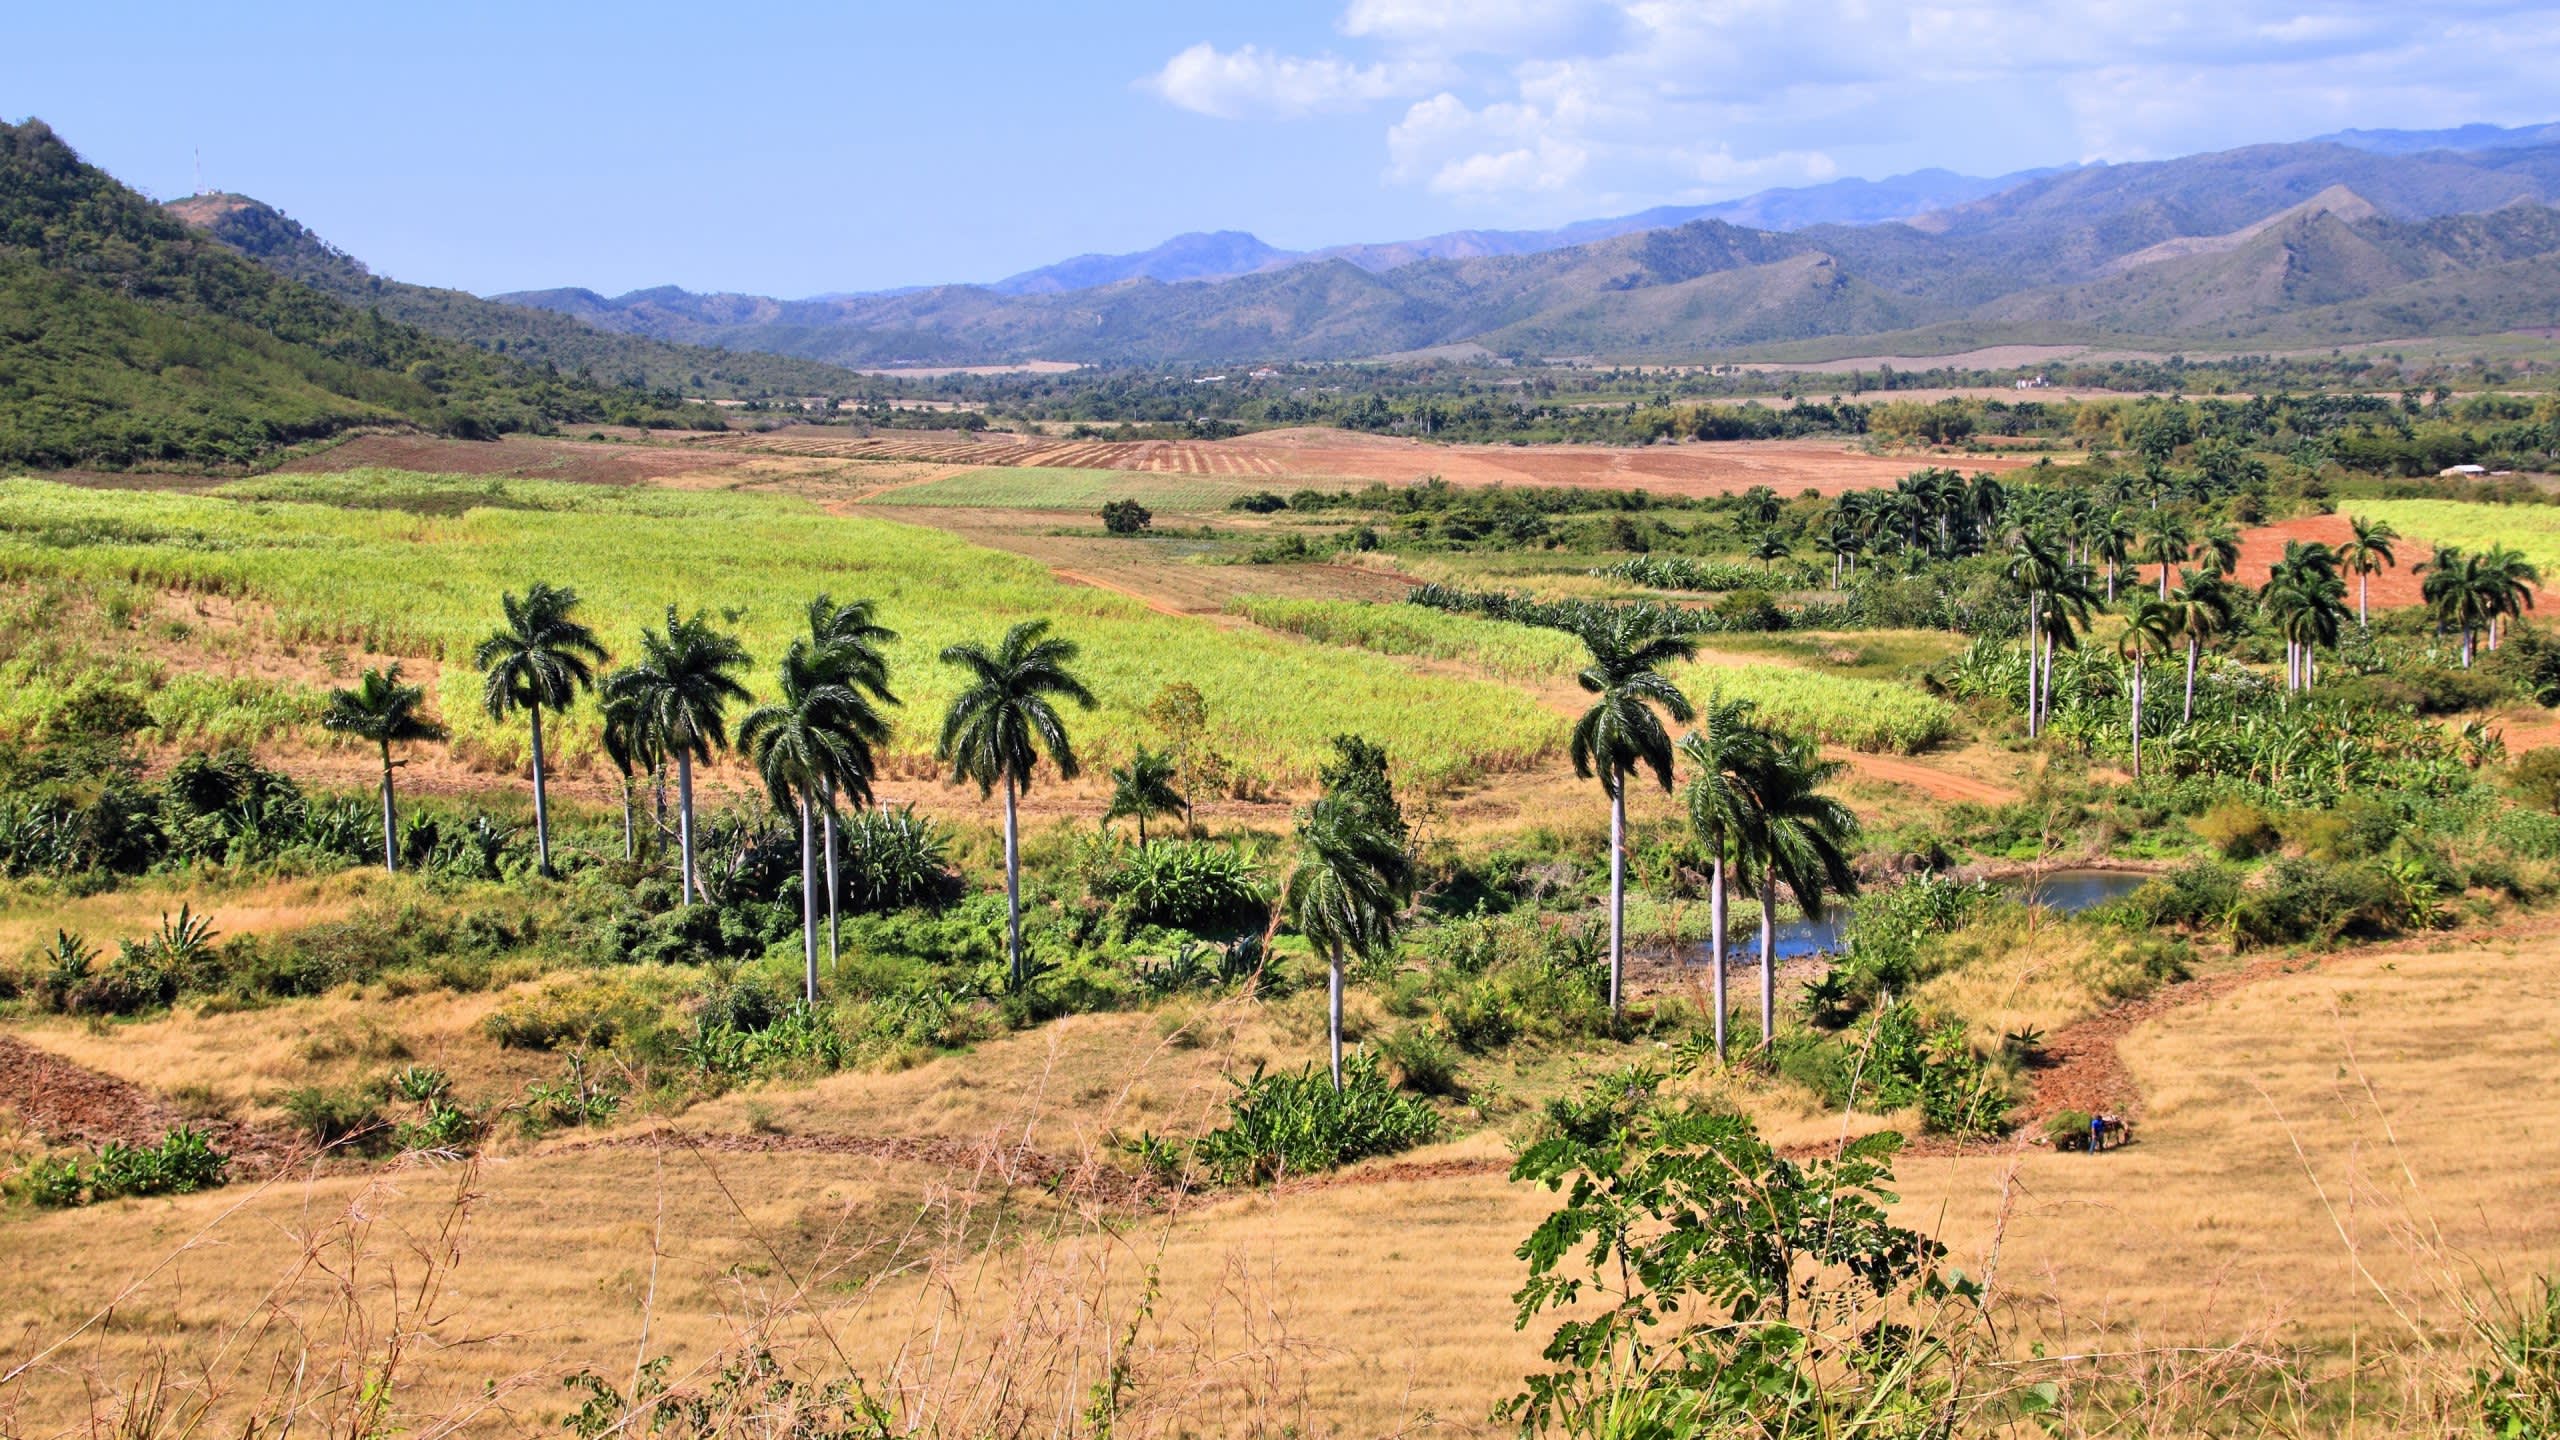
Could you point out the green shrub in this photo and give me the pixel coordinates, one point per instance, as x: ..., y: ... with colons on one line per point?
x: 2535, y: 777
x: 1423, y: 1059
x: 1298, y: 1124
x: 890, y: 859
x: 2196, y: 895
x: 2236, y: 829
x: 181, y: 1163
x: 2305, y: 901
x: 1479, y: 1016
x: 350, y: 1117
x: 2515, y: 1386
x: 1189, y: 885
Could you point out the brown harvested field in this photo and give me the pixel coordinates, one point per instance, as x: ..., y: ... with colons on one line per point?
x: 1988, y: 357
x: 1309, y: 453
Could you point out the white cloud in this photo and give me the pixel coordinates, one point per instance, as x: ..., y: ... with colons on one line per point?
x: 1250, y: 80
x: 1540, y: 107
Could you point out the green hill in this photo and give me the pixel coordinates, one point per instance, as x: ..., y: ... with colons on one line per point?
x: 126, y: 339
x: 520, y: 332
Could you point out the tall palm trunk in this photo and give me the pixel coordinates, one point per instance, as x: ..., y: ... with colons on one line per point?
x: 630, y: 846
x: 834, y: 887
x: 2111, y: 582
x: 2031, y: 665
x: 541, y: 804
x: 390, y: 822
x: 684, y: 826
x: 808, y: 904
x: 1012, y: 884
x: 1333, y: 1010
x: 2466, y: 647
x: 1768, y: 958
x: 2137, y: 717
x: 1715, y: 942
x: 2364, y: 585
x: 1617, y: 895
x: 2188, y: 717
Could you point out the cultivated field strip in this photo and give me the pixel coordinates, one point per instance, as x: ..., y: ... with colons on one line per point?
x: 1162, y: 457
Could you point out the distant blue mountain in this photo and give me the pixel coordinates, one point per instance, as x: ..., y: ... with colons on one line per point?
x: 2463, y: 137
x: 1225, y: 254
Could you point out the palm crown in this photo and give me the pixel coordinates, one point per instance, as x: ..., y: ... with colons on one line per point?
x: 541, y: 657
x: 998, y: 726
x: 1621, y: 731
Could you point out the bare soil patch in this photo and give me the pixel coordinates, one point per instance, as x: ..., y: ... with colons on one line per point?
x: 1686, y: 469
x: 2394, y: 588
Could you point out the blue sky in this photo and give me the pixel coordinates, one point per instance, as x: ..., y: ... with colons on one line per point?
x: 820, y: 147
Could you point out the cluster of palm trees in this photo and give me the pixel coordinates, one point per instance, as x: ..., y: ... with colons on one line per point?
x: 814, y: 745
x: 2477, y: 592
x: 1756, y: 797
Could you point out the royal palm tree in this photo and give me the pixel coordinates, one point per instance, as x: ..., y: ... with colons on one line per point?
x: 2512, y: 579
x: 2111, y: 540
x: 811, y: 744
x: 681, y: 691
x: 2304, y: 600
x: 2367, y: 553
x: 2164, y: 545
x: 1726, y: 757
x: 852, y: 638
x: 381, y: 709
x: 2201, y: 611
x: 539, y: 659
x: 2148, y: 629
x: 1771, y: 548
x: 1800, y: 839
x: 631, y: 746
x: 2034, y: 568
x: 1144, y: 787
x: 1345, y: 894
x: 996, y: 728
x: 2220, y: 545
x: 1621, y: 732
x: 2460, y: 592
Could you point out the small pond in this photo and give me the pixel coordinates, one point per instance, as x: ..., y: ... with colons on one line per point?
x: 2065, y: 892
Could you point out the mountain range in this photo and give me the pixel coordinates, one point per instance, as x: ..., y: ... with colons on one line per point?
x: 2366, y: 235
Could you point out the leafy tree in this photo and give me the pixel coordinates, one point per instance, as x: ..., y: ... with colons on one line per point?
x: 1358, y: 771
x: 1182, y: 714
x: 1126, y: 517
x: 1771, y: 548
x: 1143, y: 787
x: 1727, y: 755
x: 540, y: 658
x: 1621, y: 732
x: 996, y: 728
x: 381, y: 709
x: 682, y: 689
x: 811, y: 745
x: 1716, y: 1287
x: 1345, y: 893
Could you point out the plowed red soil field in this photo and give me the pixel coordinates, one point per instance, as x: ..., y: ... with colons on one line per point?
x: 2260, y: 549
x: 1788, y: 466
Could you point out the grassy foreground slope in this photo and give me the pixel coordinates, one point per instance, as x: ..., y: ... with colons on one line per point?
x: 413, y: 565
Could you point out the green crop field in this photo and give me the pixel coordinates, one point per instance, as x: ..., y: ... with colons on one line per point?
x: 1498, y: 647
x: 413, y: 565
x: 1870, y: 715
x: 2532, y: 529
x: 1017, y: 488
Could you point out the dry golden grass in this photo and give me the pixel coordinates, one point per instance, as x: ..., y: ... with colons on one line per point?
x: 30, y: 914
x: 2322, y: 1154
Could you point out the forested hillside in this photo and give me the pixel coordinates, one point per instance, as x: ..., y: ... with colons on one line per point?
x: 519, y: 332
x: 127, y: 339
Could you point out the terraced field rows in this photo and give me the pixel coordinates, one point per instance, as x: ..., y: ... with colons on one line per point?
x: 1166, y: 457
